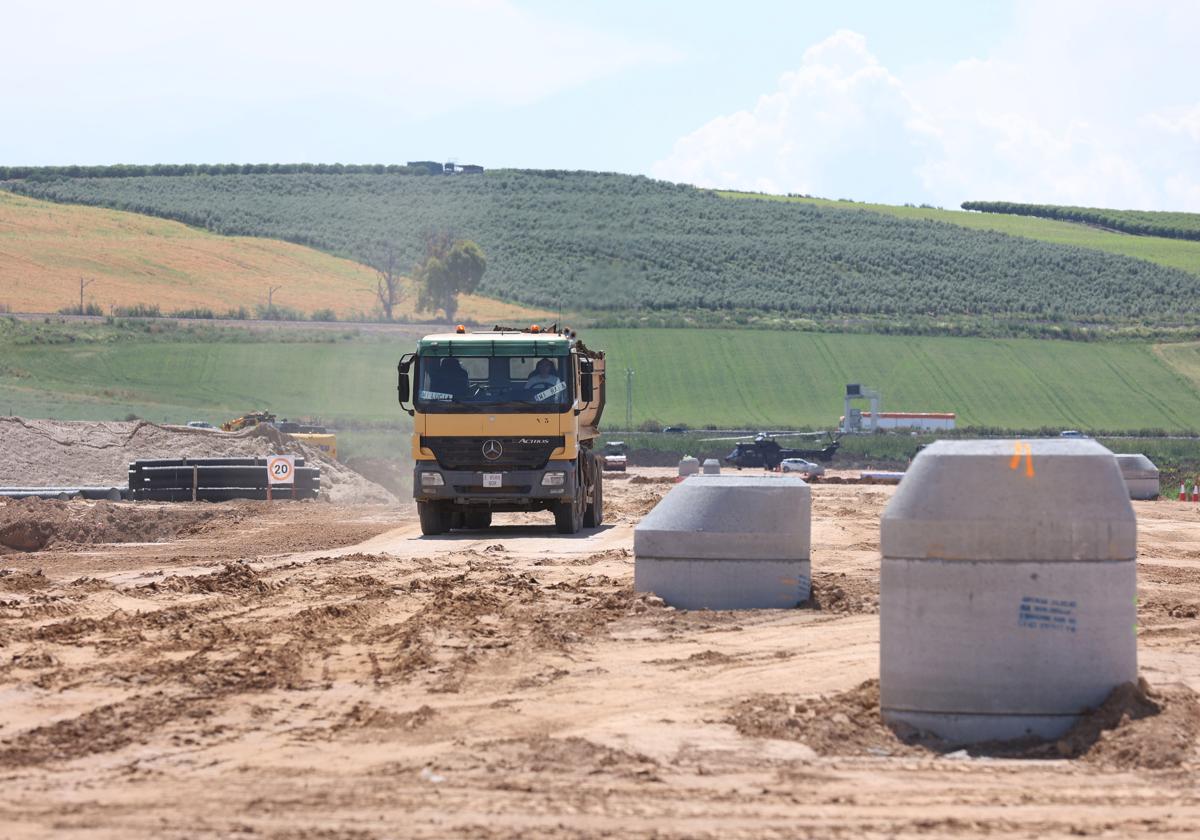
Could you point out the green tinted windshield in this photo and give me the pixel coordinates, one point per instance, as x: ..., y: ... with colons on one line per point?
x: 514, y: 383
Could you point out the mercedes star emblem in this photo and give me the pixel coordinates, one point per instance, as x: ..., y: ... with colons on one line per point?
x: 492, y: 449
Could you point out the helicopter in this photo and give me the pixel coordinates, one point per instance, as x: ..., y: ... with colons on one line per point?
x: 764, y: 451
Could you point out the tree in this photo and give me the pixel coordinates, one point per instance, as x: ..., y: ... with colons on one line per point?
x: 386, y: 262
x: 451, y: 267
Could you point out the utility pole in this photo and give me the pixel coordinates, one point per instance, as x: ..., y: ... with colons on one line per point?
x: 83, y: 284
x: 629, y: 399
x: 271, y: 290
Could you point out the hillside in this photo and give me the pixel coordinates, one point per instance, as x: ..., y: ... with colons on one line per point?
x: 615, y: 243
x: 1173, y: 253
x: 1170, y: 225
x: 45, y: 248
x: 726, y: 378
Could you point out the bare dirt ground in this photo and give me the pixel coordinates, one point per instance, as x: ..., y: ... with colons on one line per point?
x: 312, y: 671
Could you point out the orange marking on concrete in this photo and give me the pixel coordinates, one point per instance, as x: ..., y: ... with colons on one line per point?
x: 1019, y: 450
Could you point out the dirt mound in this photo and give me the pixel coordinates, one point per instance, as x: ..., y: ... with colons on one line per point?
x: 842, y: 724
x: 50, y: 453
x: 33, y: 524
x: 664, y: 480
x: 367, y: 716
x: 19, y: 580
x: 563, y: 755
x: 104, y: 729
x: 1135, y: 727
x: 235, y: 578
x: 837, y: 592
x: 1138, y: 726
x: 632, y: 504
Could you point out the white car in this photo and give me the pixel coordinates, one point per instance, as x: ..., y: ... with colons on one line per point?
x: 614, y: 456
x: 801, y: 466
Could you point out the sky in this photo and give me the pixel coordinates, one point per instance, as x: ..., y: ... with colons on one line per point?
x: 1090, y: 102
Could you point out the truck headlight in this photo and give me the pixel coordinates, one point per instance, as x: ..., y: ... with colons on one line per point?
x: 431, y: 479
x: 554, y: 479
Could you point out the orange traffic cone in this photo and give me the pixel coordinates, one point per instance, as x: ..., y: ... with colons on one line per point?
x: 1196, y: 490
x: 1182, y: 492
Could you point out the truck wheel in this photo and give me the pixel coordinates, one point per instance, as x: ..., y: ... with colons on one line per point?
x: 477, y: 520
x: 593, y: 517
x: 435, y: 519
x: 568, y: 516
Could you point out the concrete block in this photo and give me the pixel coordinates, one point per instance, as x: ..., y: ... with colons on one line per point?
x: 688, y: 465
x: 1007, y: 588
x: 727, y: 542
x: 712, y: 466
x: 1141, y: 476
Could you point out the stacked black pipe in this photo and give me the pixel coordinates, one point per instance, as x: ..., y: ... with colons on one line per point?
x: 216, y: 480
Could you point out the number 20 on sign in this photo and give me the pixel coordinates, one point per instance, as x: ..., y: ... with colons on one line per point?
x: 281, y: 469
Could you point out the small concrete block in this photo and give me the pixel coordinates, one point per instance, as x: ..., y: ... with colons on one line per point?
x: 712, y: 466
x: 727, y: 542
x: 689, y: 465
x: 1141, y: 476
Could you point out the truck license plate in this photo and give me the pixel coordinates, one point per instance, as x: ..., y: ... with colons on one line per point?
x: 491, y: 479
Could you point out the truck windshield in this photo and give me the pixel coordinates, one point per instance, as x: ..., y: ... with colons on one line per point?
x: 505, y: 383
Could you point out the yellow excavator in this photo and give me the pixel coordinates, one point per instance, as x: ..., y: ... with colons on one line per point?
x: 248, y: 420
x: 316, y: 436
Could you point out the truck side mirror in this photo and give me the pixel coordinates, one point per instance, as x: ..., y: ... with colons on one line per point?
x: 586, y: 385
x: 403, y: 384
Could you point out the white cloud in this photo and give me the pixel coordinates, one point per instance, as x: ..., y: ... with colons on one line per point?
x: 840, y: 105
x: 1087, y: 103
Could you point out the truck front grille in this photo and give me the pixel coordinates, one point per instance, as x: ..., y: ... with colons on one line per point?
x: 480, y: 490
x: 468, y: 453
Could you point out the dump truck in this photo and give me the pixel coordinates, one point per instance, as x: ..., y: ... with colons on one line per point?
x: 504, y: 420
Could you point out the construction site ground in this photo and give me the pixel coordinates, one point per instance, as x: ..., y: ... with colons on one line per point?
x: 323, y: 671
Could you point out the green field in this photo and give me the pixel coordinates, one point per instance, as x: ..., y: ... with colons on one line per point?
x: 732, y: 378
x: 724, y: 378
x: 105, y: 376
x: 1175, y: 253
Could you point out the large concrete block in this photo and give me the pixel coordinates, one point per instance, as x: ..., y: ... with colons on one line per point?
x: 712, y: 466
x: 1007, y: 588
x: 689, y: 465
x: 1141, y: 476
x: 727, y: 542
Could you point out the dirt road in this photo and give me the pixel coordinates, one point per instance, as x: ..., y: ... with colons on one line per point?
x: 310, y: 671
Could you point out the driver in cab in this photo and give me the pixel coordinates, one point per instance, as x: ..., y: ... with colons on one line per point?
x: 542, y: 377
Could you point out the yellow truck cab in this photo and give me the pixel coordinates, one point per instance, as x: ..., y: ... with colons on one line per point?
x: 504, y: 420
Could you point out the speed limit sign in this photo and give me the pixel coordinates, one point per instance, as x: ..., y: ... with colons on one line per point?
x: 281, y: 469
